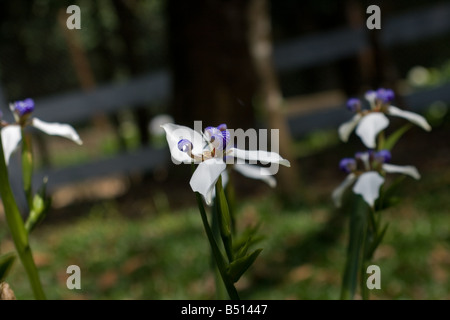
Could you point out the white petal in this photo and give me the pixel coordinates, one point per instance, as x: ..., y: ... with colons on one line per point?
x: 256, y: 172
x: 57, y: 129
x: 415, y: 118
x: 368, y: 186
x: 346, y: 128
x: 339, y: 191
x: 205, y: 176
x: 259, y: 155
x: 11, y: 136
x: 175, y: 133
x: 370, y: 126
x: 211, y: 194
x: 365, y: 159
x: 408, y: 170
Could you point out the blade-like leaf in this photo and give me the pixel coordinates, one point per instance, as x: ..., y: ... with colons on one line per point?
x: 358, y: 220
x: 238, y: 267
x: 377, y: 241
x: 390, y: 142
x: 27, y: 167
x: 6, y: 263
x: 224, y: 219
x: 39, y: 209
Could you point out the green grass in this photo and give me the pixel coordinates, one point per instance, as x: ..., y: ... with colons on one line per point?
x: 166, y: 255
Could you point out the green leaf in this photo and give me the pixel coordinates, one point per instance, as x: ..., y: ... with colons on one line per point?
x: 224, y: 219
x: 390, y: 142
x: 358, y: 222
x: 245, y: 241
x: 6, y: 263
x: 238, y: 267
x: 388, y: 196
x: 27, y: 167
x: 377, y: 241
x: 40, y: 207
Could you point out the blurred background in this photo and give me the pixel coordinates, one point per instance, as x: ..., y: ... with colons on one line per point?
x: 125, y: 213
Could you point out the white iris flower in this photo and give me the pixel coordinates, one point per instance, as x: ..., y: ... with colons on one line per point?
x: 367, y: 171
x: 212, y: 151
x: 11, y: 134
x: 369, y: 123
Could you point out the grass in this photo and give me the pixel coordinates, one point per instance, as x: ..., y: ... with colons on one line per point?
x: 166, y: 255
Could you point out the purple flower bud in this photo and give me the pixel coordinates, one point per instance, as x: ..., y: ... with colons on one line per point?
x: 384, y: 156
x: 185, y: 145
x: 24, y: 107
x: 222, y: 127
x: 385, y: 95
x: 347, y: 165
x: 354, y: 104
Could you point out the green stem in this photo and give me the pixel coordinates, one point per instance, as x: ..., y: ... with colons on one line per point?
x: 218, y: 256
x: 220, y: 260
x: 352, y: 265
x: 27, y: 168
x: 17, y: 228
x: 364, y: 291
x: 224, y: 220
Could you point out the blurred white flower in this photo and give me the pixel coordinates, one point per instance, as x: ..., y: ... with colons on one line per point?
x: 367, y: 171
x: 11, y: 134
x: 369, y: 123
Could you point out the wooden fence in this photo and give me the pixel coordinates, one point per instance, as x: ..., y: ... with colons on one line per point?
x: 154, y: 89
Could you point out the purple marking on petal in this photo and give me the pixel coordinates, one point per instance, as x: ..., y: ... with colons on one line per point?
x: 359, y: 154
x: 184, y: 145
x: 217, y: 141
x: 222, y: 127
x: 212, y: 131
x: 24, y: 107
x: 369, y: 92
x: 226, y: 138
x: 354, y: 104
x: 347, y: 165
x: 384, y: 155
x: 385, y: 95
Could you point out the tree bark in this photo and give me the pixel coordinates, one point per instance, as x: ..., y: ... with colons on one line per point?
x: 213, y: 75
x: 269, y: 92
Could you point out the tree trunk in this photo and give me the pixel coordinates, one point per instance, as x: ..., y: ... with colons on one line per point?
x: 270, y: 96
x: 214, y: 79
x: 128, y: 31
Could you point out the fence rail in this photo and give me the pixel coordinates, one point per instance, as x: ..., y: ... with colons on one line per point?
x: 153, y: 89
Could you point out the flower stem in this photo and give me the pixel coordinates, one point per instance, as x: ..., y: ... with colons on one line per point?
x: 364, y: 258
x: 27, y: 168
x: 220, y: 261
x: 358, y: 221
x: 17, y: 228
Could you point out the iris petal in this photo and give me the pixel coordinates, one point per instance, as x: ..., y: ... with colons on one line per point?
x: 346, y: 128
x: 339, y: 191
x: 11, y: 136
x: 259, y: 155
x: 370, y: 126
x: 415, y: 118
x: 256, y: 172
x: 176, y: 133
x: 408, y: 170
x: 205, y: 177
x: 57, y: 129
x: 368, y: 186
